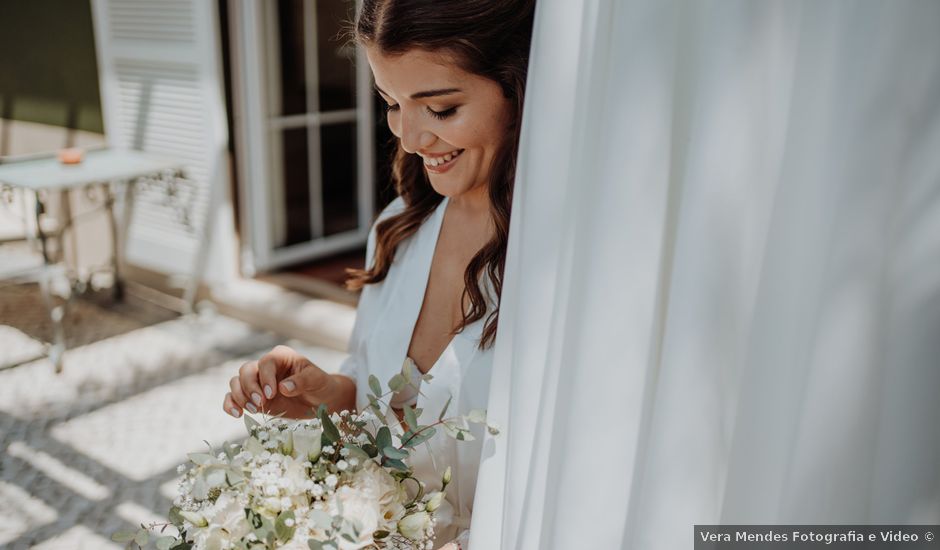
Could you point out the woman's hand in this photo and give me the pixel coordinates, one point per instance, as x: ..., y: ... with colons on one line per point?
x: 284, y: 381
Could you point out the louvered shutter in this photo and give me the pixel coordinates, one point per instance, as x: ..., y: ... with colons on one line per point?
x: 162, y: 92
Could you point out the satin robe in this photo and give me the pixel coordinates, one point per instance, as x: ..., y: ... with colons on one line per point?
x: 385, y: 321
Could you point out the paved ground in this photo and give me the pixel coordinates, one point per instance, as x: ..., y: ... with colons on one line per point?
x: 94, y: 449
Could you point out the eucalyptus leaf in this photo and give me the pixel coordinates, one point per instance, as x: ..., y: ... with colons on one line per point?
x: 123, y: 536
x: 329, y: 429
x: 411, y: 418
x: 408, y: 370
x: 164, y: 543
x: 375, y: 385
x: 392, y: 452
x: 251, y: 423
x: 142, y: 537
x: 383, y: 438
x: 397, y: 383
x: 420, y: 438
x: 284, y: 532
x: 396, y: 464
x: 444, y: 410
x: 175, y: 517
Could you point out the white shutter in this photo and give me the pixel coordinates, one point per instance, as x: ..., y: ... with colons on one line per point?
x: 160, y: 70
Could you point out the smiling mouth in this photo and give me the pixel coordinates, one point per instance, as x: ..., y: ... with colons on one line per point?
x: 442, y: 161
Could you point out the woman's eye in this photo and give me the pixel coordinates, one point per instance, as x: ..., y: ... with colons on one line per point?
x: 442, y: 114
x: 390, y: 108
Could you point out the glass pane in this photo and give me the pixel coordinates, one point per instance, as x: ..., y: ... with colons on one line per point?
x: 290, y: 31
x: 335, y: 57
x: 291, y: 218
x: 338, y: 151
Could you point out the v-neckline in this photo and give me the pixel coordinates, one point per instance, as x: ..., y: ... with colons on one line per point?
x: 440, y: 212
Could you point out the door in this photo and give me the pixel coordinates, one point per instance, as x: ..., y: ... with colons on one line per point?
x: 304, y: 131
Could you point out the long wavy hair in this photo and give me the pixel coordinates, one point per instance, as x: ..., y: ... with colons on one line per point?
x: 489, y: 38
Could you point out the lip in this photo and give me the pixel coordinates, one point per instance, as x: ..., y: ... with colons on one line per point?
x: 440, y: 169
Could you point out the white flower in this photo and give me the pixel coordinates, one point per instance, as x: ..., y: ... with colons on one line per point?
x: 342, y: 465
x: 332, y: 480
x: 358, y: 508
x: 306, y: 444
x: 434, y: 502
x: 229, y: 514
x: 414, y: 526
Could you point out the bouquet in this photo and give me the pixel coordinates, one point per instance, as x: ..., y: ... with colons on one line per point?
x: 335, y: 482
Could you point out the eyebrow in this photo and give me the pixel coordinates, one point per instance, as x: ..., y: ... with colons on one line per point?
x: 426, y: 93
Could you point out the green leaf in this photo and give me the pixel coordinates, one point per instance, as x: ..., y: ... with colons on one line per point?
x: 408, y: 370
x: 375, y: 385
x: 427, y: 377
x: 428, y: 433
x: 164, y: 543
x: 396, y: 464
x: 380, y: 534
x: 329, y: 429
x: 392, y: 452
x: 397, y: 383
x: 250, y: 423
x: 383, y: 438
x: 284, y: 532
x: 411, y: 418
x: 314, y: 544
x: 183, y: 546
x: 142, y: 537
x: 123, y: 536
x: 175, y: 517
x: 371, y: 450
x: 444, y: 410
x: 493, y: 429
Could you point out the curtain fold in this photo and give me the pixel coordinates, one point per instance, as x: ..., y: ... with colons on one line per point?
x: 722, y: 293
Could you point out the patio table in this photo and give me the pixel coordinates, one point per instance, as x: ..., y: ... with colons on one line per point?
x: 99, y: 171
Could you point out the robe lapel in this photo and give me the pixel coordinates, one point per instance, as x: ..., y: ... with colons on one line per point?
x: 393, y: 331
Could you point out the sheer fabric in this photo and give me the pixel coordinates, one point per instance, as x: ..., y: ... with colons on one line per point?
x: 722, y: 293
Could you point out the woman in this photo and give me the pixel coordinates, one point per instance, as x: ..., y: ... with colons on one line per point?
x: 453, y: 76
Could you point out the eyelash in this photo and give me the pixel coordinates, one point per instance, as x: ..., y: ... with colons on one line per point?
x: 440, y: 115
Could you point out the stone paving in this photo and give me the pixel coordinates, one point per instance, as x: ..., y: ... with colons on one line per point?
x: 94, y: 450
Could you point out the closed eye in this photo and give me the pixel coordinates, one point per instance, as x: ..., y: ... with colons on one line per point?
x: 442, y: 114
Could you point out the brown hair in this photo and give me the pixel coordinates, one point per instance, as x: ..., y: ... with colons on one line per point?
x: 489, y: 38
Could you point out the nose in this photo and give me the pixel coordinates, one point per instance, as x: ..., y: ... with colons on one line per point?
x: 414, y: 136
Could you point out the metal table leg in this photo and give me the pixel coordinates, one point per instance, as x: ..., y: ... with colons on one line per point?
x: 56, y: 312
x: 116, y: 244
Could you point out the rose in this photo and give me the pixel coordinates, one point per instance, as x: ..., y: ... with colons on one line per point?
x: 351, y: 502
x: 414, y: 525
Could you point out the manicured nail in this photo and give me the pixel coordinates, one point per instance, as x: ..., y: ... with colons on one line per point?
x: 251, y: 408
x: 268, y: 392
x: 289, y: 386
x: 256, y: 398
x: 233, y: 412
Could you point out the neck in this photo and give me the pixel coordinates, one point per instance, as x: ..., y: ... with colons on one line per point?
x: 475, y: 202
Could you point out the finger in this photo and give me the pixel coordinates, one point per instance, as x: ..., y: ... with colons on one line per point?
x: 283, y: 362
x: 277, y: 363
x: 238, y: 396
x: 248, y: 378
x: 311, y: 381
x: 230, y: 406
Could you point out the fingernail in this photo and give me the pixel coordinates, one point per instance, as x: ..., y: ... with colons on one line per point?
x: 268, y: 392
x: 256, y: 398
x: 289, y: 386
x: 233, y: 412
x: 251, y: 408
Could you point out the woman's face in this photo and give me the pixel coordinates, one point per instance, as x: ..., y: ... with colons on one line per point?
x: 453, y: 119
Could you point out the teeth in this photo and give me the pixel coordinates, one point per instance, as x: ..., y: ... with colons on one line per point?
x: 437, y: 161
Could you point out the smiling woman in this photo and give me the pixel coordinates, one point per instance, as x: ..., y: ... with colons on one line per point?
x: 452, y: 74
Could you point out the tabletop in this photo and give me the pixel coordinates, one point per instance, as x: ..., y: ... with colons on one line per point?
x: 101, y: 165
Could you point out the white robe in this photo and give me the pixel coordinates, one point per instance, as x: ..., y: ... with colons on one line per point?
x: 385, y: 321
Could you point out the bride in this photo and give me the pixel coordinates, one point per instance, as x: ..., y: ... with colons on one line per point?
x: 452, y: 74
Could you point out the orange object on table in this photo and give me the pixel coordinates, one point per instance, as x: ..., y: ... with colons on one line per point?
x: 71, y: 156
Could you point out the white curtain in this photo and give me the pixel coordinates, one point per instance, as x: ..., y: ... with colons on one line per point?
x: 722, y: 297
